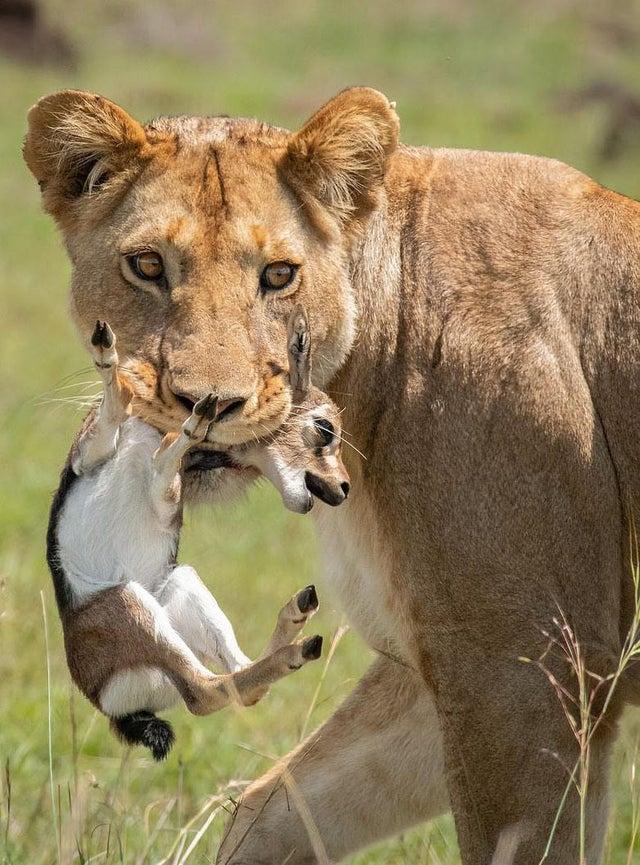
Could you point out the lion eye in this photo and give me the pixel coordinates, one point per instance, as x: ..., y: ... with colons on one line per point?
x: 147, y: 265
x: 277, y: 275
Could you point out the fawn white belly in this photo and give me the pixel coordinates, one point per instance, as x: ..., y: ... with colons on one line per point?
x: 359, y: 569
x: 108, y: 531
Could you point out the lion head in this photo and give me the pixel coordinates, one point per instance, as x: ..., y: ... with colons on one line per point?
x: 195, y: 238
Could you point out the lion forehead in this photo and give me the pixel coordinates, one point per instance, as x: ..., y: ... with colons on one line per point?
x: 193, y: 131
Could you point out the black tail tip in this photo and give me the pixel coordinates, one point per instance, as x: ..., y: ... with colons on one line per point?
x: 144, y: 728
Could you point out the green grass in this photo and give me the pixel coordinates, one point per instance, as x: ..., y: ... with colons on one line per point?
x: 485, y: 75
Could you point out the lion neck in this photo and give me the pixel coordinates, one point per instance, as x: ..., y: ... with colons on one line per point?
x: 387, y: 361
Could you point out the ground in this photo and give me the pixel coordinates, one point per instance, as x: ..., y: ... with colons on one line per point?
x: 485, y: 75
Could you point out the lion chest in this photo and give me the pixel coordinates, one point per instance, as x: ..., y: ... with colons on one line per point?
x: 358, y: 566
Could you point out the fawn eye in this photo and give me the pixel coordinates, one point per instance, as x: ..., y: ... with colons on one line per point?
x: 147, y: 265
x: 277, y: 275
x: 325, y: 430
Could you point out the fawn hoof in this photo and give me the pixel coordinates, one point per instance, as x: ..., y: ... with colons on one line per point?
x: 312, y: 648
x: 206, y: 407
x: 102, y: 336
x: 307, y: 599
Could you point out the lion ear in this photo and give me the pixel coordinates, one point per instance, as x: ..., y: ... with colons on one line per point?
x: 75, y: 141
x: 340, y: 154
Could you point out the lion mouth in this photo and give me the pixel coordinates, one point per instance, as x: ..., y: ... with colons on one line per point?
x: 237, y: 422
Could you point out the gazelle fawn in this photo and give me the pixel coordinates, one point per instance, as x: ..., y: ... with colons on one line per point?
x: 137, y: 625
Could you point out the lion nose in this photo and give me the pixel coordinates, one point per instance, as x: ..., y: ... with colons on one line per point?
x: 224, y: 408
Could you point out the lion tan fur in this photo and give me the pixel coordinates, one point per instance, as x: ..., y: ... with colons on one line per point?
x: 477, y: 315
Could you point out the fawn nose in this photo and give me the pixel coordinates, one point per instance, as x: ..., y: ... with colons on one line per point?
x: 225, y: 407
x: 329, y: 493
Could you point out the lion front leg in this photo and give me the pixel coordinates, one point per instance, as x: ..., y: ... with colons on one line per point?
x: 375, y: 768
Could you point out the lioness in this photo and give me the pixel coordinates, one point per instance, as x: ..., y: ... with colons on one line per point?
x: 478, y: 317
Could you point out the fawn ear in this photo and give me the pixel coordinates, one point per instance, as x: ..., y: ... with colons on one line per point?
x: 75, y: 142
x: 340, y: 155
x: 299, y: 349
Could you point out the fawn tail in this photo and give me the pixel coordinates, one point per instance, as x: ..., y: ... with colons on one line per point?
x: 145, y: 728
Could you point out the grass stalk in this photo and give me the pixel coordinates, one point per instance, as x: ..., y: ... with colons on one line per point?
x: 54, y: 811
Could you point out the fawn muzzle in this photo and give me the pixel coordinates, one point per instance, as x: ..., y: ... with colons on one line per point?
x: 331, y: 492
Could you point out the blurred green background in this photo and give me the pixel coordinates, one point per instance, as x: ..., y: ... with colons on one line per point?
x: 552, y: 77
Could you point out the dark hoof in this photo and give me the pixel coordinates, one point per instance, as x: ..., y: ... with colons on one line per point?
x: 102, y: 335
x: 206, y: 407
x: 312, y: 648
x: 307, y: 599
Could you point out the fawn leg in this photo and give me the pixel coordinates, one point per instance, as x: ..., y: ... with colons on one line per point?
x: 141, y: 637
x: 292, y: 618
x: 197, y: 616
x: 154, y: 652
x: 99, y: 440
x: 248, y: 685
x: 165, y: 485
x: 151, y: 657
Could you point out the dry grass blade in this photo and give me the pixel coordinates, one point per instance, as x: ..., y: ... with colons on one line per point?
x: 175, y: 851
x: 162, y: 819
x: 338, y: 635
x: 7, y: 798
x: 199, y: 835
x: 54, y: 814
x: 579, y: 710
x: 307, y: 818
x: 635, y: 804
